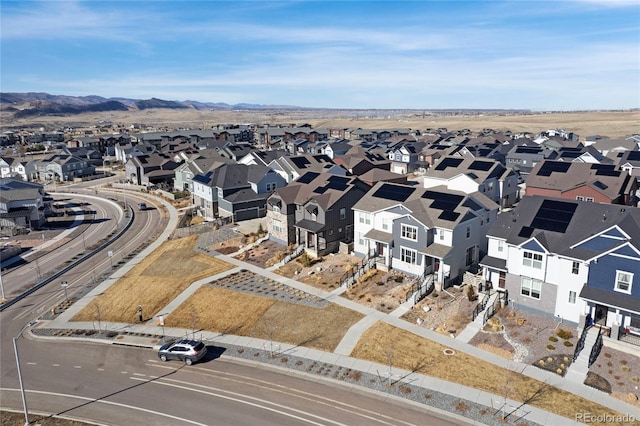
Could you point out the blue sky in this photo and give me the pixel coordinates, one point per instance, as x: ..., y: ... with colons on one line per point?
x: 540, y: 55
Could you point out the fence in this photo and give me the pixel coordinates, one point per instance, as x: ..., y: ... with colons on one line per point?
x: 480, y: 306
x: 426, y: 288
x: 595, y: 350
x: 580, y: 343
x: 350, y: 277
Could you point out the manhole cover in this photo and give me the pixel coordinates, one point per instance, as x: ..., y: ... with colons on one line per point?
x: 448, y: 352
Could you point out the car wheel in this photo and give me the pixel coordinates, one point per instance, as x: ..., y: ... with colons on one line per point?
x: 188, y: 361
x: 163, y: 357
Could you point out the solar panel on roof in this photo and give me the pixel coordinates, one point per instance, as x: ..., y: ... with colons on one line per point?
x: 526, y: 232
x: 554, y: 215
x: 549, y: 167
x: 307, y: 177
x: 528, y: 150
x: 300, y: 162
x: 442, y: 200
x: 338, y: 183
x: 448, y: 215
x: 634, y: 156
x: 472, y: 175
x: 449, y: 162
x: 605, y: 170
x: 481, y: 165
x: 394, y: 192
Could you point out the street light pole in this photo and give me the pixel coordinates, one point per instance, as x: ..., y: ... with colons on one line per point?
x: 24, y: 396
x: 64, y: 285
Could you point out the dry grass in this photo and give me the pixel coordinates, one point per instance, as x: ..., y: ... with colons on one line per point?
x: 231, y: 312
x: 153, y: 283
x: 612, y: 124
x: 413, y: 353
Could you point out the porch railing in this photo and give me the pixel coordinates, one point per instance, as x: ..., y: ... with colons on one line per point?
x: 595, y: 350
x: 350, y: 277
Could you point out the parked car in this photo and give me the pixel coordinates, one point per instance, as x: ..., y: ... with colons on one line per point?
x: 188, y: 351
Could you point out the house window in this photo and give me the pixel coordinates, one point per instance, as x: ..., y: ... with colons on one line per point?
x: 624, y: 281
x: 533, y: 260
x: 468, y: 231
x: 385, y: 224
x: 590, y: 199
x: 340, y: 230
x: 500, y: 246
x: 530, y: 288
x: 579, y: 198
x: 360, y: 239
x: 277, y: 225
x: 365, y: 218
x: 572, y: 297
x: 271, y: 186
x: 343, y: 212
x: 330, y: 231
x: 408, y: 255
x: 409, y: 232
x: 276, y: 209
x: 441, y: 233
x: 575, y: 268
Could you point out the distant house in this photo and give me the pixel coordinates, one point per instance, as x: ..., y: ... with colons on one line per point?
x: 404, y: 157
x: 469, y: 175
x: 195, y: 164
x: 583, y: 182
x: 64, y: 167
x: 315, y: 211
x: 22, y: 206
x: 420, y: 231
x: 358, y: 161
x: 568, y: 259
x: 630, y: 162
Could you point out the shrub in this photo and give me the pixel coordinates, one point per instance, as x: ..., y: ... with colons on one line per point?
x: 551, y: 347
x: 553, y: 338
x: 355, y: 375
x: 305, y: 259
x: 567, y: 343
x: 564, y: 334
x: 461, y: 406
x: 434, y: 294
x: 471, y: 293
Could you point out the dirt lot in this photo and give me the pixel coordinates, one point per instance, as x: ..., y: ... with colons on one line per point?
x: 447, y: 312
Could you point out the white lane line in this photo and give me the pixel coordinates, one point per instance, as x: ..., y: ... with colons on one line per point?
x: 117, y: 404
x: 32, y: 363
x: 100, y: 369
x: 124, y: 372
x: 55, y: 365
x: 318, y: 399
x: 253, y: 404
x: 77, y: 366
x: 139, y: 374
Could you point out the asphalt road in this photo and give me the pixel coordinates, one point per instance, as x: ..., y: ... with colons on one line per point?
x: 121, y: 385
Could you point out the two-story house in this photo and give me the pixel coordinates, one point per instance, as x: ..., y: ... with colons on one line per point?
x: 423, y: 231
x: 235, y: 190
x: 470, y: 175
x: 567, y: 259
x: 195, y: 164
x: 315, y: 211
x: 598, y: 183
x: 404, y: 156
x: 292, y: 167
x: 150, y: 169
x: 22, y: 206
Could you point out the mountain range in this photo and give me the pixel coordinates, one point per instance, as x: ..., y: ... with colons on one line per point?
x: 33, y: 104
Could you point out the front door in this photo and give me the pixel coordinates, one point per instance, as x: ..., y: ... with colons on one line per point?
x: 601, y: 315
x: 379, y: 249
x: 501, y: 279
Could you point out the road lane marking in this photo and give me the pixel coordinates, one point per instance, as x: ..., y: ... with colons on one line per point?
x: 333, y: 403
x: 102, y: 401
x: 55, y: 365
x: 253, y: 404
x: 139, y: 374
x: 32, y: 363
x: 77, y: 366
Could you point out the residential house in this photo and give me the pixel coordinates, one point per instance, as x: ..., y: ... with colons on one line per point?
x: 567, y: 259
x: 598, y: 183
x: 470, y: 175
x: 235, y: 190
x: 151, y: 169
x: 22, y: 206
x: 236, y: 151
x: 195, y: 164
x: 292, y: 167
x: 262, y: 157
x: 315, y: 212
x: 63, y: 167
x: 629, y: 161
x: 420, y: 231
x: 404, y: 157
x: 358, y: 161
x: 336, y: 149
x: 614, y: 148
x: 523, y: 158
